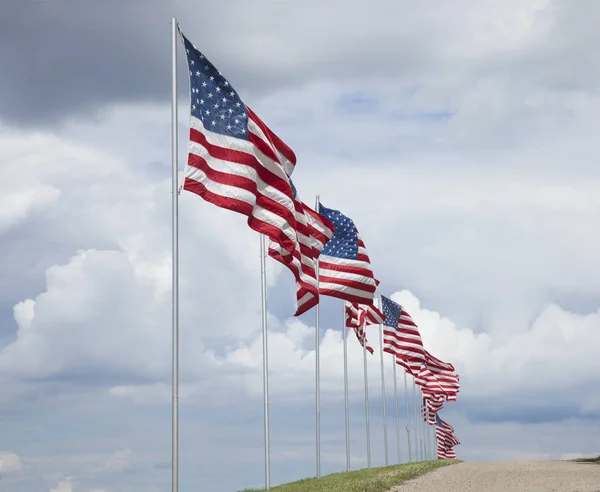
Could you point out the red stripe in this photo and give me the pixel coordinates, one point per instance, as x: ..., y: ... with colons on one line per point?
x: 275, y: 141
x: 346, y: 269
x: 343, y: 295
x: 345, y: 282
x: 274, y: 233
x: 241, y: 158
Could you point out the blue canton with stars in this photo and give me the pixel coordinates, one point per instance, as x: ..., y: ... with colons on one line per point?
x: 213, y: 100
x: 392, y: 311
x: 344, y: 243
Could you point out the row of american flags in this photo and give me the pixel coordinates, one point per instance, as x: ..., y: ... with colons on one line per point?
x: 236, y: 162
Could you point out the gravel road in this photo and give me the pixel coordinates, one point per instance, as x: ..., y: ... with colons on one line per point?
x: 509, y: 476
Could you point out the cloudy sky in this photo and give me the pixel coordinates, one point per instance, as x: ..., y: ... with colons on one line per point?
x: 460, y: 136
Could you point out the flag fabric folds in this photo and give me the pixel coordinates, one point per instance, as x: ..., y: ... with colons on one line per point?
x: 355, y: 316
x: 314, y: 231
x: 359, y: 314
x: 235, y: 161
x: 437, y: 376
x: 446, y: 440
x: 401, y: 337
x: 344, y: 266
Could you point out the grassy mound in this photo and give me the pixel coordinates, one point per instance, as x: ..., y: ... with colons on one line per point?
x: 588, y: 460
x: 373, y: 480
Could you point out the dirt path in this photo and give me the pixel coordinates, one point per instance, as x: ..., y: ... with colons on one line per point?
x: 509, y: 476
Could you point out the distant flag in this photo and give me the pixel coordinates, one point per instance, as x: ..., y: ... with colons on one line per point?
x: 434, y: 402
x: 344, y: 266
x: 355, y: 320
x: 428, y: 382
x: 314, y: 231
x: 445, y: 375
x: 427, y: 412
x: 358, y: 314
x: 401, y: 337
x: 361, y: 335
x: 235, y: 161
x: 446, y: 439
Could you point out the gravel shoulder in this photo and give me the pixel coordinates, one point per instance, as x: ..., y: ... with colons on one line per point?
x: 509, y: 476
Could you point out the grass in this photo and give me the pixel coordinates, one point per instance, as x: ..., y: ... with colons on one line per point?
x: 588, y: 460
x: 368, y: 480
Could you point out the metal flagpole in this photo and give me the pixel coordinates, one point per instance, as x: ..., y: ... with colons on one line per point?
x: 407, y: 419
x: 345, y: 339
x: 174, y: 267
x: 425, y: 436
x: 317, y: 370
x: 416, y: 423
x: 367, y: 401
x: 422, y: 424
x: 397, y: 414
x: 418, y: 450
x: 435, y: 437
x: 428, y: 433
x: 385, y: 436
x: 263, y: 291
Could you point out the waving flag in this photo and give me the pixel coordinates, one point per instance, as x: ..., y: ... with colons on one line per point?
x: 401, y: 337
x: 344, y: 266
x: 446, y: 439
x: 359, y: 314
x: 438, y: 377
x: 355, y: 319
x: 314, y: 231
x: 235, y: 161
x: 434, y: 402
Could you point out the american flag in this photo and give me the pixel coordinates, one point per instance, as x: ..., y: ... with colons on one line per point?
x: 361, y: 335
x: 401, y: 337
x: 356, y: 315
x: 434, y: 402
x: 235, y: 161
x: 359, y: 314
x: 428, y: 382
x: 314, y: 231
x: 446, y: 439
x: 344, y: 266
x: 439, y: 376
x: 426, y: 413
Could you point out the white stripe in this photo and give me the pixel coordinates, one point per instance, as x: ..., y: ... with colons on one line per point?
x: 345, y: 262
x: 348, y: 290
x: 241, y: 145
x: 287, y: 166
x: 248, y: 197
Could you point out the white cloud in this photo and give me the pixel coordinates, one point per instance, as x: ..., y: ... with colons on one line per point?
x: 119, y: 461
x: 63, y: 486
x: 10, y: 463
x: 470, y: 171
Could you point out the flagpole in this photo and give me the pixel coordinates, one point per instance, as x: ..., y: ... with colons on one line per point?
x: 263, y: 291
x: 397, y: 414
x: 368, y: 427
x: 407, y: 418
x: 423, y: 416
x: 422, y: 425
x: 428, y: 433
x: 317, y: 369
x: 174, y: 267
x: 345, y: 340
x: 416, y: 423
x: 385, y: 436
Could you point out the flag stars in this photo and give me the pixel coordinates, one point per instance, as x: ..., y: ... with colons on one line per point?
x: 213, y: 99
